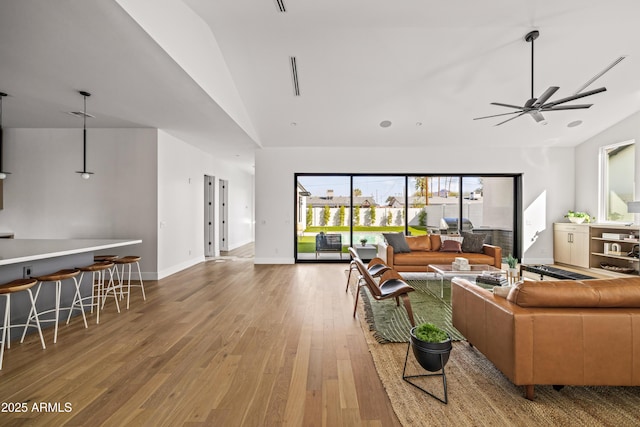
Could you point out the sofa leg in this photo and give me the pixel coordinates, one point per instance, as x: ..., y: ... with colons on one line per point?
x: 528, y: 391
x: 557, y: 387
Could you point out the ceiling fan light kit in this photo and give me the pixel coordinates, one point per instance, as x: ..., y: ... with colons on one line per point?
x: 534, y: 107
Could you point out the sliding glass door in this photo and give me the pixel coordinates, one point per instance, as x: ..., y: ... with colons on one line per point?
x: 334, y: 212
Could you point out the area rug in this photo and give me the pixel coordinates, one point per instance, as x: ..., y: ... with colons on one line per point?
x: 480, y: 395
x: 390, y: 323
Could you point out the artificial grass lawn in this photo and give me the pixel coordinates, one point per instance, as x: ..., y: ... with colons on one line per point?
x: 307, y: 244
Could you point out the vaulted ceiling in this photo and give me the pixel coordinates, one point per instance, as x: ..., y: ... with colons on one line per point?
x: 429, y: 68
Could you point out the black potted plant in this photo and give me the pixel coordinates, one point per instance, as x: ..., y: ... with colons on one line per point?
x: 431, y: 346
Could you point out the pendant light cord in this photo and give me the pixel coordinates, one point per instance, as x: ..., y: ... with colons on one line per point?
x: 84, y: 135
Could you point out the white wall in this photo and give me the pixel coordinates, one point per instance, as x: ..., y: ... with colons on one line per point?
x: 45, y: 198
x: 180, y: 225
x: 587, y: 162
x: 548, y: 183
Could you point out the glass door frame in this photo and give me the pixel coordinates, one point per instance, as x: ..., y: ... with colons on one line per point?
x: 517, y: 198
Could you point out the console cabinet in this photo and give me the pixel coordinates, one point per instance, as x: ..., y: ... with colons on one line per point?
x: 595, y: 245
x: 571, y: 244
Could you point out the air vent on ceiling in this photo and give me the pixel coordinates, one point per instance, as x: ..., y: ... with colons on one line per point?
x: 294, y: 75
x: 81, y: 114
x: 280, y: 4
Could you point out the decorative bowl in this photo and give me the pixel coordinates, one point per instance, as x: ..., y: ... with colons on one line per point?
x: 576, y: 219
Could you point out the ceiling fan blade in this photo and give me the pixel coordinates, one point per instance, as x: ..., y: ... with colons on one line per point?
x: 567, y: 107
x: 530, y: 102
x: 546, y: 95
x: 508, y: 120
x: 573, y: 97
x: 498, y: 115
x: 537, y: 116
x: 506, y: 105
x: 600, y: 74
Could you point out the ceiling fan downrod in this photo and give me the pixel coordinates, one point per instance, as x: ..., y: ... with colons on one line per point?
x: 530, y: 37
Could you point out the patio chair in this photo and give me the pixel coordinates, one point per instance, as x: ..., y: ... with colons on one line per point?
x: 390, y: 285
x: 376, y: 266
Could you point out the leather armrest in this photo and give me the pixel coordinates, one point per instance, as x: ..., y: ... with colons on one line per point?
x: 385, y: 252
x: 495, y: 252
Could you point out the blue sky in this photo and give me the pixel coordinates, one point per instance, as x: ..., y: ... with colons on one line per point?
x: 381, y: 187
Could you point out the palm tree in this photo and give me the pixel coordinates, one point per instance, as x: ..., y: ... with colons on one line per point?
x: 422, y: 188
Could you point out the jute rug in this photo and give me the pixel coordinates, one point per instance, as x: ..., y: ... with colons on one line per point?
x: 479, y: 395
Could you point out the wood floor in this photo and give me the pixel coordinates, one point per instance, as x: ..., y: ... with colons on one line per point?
x: 223, y: 343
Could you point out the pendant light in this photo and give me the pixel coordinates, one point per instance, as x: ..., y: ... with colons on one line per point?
x: 83, y: 173
x: 3, y: 174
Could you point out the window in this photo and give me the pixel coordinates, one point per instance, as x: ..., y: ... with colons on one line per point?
x: 617, y: 172
x: 352, y: 208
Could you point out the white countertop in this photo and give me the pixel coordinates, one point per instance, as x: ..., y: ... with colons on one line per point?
x: 13, y: 251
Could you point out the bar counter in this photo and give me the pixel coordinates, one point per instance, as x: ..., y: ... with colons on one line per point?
x: 13, y: 251
x: 35, y: 257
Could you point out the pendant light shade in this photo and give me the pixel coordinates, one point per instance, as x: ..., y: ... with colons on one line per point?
x: 3, y: 174
x: 84, y: 173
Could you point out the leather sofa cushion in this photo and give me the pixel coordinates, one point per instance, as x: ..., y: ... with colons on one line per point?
x: 435, y: 242
x: 419, y: 243
x: 436, y: 257
x: 574, y: 293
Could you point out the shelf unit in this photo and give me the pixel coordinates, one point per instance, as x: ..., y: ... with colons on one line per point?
x: 598, y: 254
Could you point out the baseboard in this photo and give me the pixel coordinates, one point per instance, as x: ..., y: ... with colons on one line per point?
x: 178, y: 267
x: 537, y: 261
x: 273, y: 261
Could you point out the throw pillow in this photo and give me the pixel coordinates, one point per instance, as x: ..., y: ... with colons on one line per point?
x: 436, y: 242
x: 472, y: 242
x: 419, y: 243
x: 397, y: 241
x: 450, y: 246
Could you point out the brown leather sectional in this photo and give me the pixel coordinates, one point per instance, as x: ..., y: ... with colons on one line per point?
x: 563, y: 332
x: 425, y: 250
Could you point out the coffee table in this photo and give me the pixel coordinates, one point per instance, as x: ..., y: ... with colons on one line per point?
x: 446, y: 271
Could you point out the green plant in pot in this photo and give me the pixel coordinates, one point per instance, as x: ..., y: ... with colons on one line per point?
x: 512, y: 262
x: 578, y: 217
x: 431, y: 346
x: 363, y: 241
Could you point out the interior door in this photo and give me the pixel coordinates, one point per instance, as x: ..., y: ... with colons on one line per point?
x: 223, y: 211
x: 209, y: 216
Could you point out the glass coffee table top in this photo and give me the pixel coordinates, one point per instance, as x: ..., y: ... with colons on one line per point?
x: 446, y: 271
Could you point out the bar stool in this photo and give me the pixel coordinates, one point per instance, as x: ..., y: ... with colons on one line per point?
x: 98, y: 272
x: 57, y: 278
x: 126, y: 261
x: 6, y: 290
x: 104, y: 258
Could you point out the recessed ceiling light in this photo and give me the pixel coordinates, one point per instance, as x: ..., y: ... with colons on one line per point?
x: 418, y: 123
x: 574, y: 123
x: 385, y: 124
x: 294, y: 124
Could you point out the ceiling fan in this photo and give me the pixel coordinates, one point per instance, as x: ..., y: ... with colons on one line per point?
x: 536, y: 106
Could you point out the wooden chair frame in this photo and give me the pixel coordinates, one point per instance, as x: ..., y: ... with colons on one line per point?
x: 376, y: 266
x: 390, y: 285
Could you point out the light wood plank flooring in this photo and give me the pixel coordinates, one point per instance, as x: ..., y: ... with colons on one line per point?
x: 223, y: 343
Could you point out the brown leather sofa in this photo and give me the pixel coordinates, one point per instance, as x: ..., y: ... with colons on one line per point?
x: 558, y: 333
x: 425, y: 250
